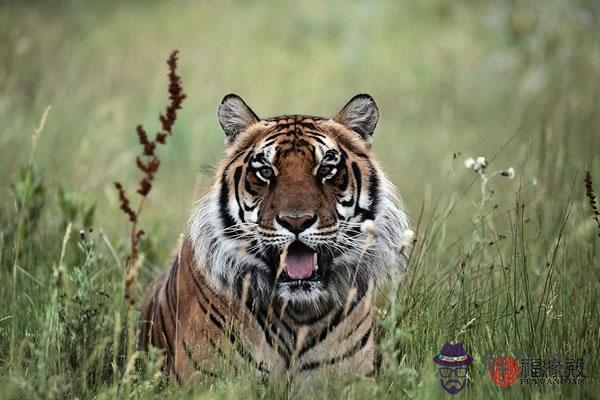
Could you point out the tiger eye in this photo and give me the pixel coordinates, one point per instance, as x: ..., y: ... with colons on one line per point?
x: 265, y: 172
x: 324, y: 170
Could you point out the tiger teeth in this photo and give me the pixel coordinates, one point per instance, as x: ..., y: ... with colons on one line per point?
x: 315, y: 262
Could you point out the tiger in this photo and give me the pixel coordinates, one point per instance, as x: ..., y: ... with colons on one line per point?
x: 284, y: 251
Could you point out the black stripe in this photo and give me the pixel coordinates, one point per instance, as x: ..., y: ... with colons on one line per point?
x: 353, y: 231
x: 170, y: 289
x: 347, y: 203
x: 199, y: 286
x: 276, y: 135
x: 237, y: 175
x: 210, y: 315
x: 355, y: 349
x: 226, y: 218
x: 170, y: 364
x: 367, y: 214
x: 367, y: 315
x: 249, y: 207
x: 317, y: 139
x: 337, y: 319
x: 156, y: 339
x: 249, y: 189
x: 373, y: 188
x: 195, y: 364
x: 308, y: 125
x: 261, y: 317
x: 296, y: 118
x: 358, y: 179
x: 224, y: 199
x: 312, y: 320
x: 267, y: 333
x: 165, y: 333
x: 248, y: 156
x: 232, y: 334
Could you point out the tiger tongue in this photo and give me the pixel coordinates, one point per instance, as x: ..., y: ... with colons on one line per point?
x: 299, y: 264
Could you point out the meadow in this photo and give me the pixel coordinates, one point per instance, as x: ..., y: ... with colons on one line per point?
x: 504, y: 266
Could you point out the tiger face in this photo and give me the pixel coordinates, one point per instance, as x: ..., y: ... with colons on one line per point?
x: 300, y: 215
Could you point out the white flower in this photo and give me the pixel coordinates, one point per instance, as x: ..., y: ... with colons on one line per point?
x: 480, y: 164
x: 509, y: 173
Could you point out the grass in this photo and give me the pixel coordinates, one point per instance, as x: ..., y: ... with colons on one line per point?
x: 514, y: 270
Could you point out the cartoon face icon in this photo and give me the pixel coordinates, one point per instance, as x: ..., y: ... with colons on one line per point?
x: 453, y: 361
x: 453, y: 379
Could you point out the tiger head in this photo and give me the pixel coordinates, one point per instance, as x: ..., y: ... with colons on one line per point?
x: 299, y: 213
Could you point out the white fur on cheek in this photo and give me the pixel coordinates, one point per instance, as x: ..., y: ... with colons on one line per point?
x: 220, y: 256
x: 374, y: 252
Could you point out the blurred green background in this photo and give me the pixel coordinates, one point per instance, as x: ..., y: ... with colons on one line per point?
x: 515, y: 81
x: 449, y: 77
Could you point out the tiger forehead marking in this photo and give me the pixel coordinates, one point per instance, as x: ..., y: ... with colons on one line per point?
x: 284, y: 250
x: 294, y: 151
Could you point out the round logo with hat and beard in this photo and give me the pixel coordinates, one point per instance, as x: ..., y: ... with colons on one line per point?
x: 453, y: 361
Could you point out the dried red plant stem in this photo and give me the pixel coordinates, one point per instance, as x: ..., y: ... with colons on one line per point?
x: 149, y: 163
x: 589, y: 192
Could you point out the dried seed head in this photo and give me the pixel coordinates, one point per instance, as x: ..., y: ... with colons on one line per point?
x: 591, y: 195
x: 148, y: 163
x: 509, y: 173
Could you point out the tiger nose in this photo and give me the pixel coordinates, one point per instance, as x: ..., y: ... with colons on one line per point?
x: 296, y: 223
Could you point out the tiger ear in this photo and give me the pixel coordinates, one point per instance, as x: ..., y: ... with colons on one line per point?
x: 361, y: 115
x: 235, y: 116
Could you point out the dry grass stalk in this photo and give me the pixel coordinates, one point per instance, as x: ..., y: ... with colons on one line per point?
x: 589, y: 192
x: 149, y: 163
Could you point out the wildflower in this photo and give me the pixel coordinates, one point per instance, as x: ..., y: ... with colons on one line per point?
x: 469, y: 163
x: 509, y: 173
x: 477, y: 165
x: 480, y: 164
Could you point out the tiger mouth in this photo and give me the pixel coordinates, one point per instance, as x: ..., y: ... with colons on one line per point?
x: 301, y: 264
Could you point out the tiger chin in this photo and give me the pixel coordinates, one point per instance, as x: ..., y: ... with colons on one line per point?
x: 283, y: 253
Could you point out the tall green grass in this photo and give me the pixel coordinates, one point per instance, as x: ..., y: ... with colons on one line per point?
x: 510, y: 269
